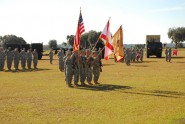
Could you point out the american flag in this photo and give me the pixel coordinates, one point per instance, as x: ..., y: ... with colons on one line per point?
x: 79, y: 31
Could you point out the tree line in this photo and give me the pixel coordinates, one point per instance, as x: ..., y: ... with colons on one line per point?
x: 88, y: 39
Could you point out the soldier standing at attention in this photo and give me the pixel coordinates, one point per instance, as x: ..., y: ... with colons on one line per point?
x: 75, y: 67
x: 16, y: 58
x: 96, y: 67
x: 88, y: 67
x: 23, y: 58
x: 2, y: 59
x: 128, y: 56
x: 166, y: 54
x: 169, y: 54
x: 51, y: 56
x: 68, y: 69
x: 64, y: 58
x: 133, y: 56
x: 35, y: 58
x: 9, y: 55
x: 82, y: 62
x: 141, y: 56
x: 29, y: 58
x: 60, y: 59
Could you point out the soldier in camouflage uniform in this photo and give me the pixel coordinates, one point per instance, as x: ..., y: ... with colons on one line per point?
x: 2, y: 59
x: 68, y: 68
x: 82, y: 62
x: 64, y: 58
x: 141, y: 57
x: 51, y: 56
x: 29, y: 58
x: 35, y: 58
x: 75, y: 67
x: 133, y: 56
x: 9, y: 55
x: 23, y: 58
x: 169, y: 54
x: 16, y: 58
x: 166, y: 54
x: 128, y: 56
x: 60, y: 59
x: 88, y: 67
x: 96, y: 68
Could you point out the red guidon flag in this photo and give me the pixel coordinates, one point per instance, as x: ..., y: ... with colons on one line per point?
x: 106, y: 38
x: 79, y: 31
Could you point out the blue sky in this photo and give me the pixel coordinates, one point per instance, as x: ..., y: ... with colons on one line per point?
x: 43, y: 20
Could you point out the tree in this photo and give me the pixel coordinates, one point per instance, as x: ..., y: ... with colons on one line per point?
x: 177, y: 35
x: 70, y: 40
x: 11, y: 39
x: 86, y: 40
x: 64, y: 44
x: 52, y: 44
x: 83, y: 41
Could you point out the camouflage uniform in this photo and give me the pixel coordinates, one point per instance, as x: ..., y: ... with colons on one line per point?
x: 88, y: 68
x: 82, y: 63
x: 51, y: 56
x: 75, y: 68
x: 29, y: 59
x: 2, y: 59
x: 60, y: 59
x: 16, y: 58
x: 68, y: 69
x: 35, y: 59
x: 96, y: 69
x: 23, y: 58
x: 169, y: 54
x: 128, y: 56
x: 133, y: 56
x: 9, y: 55
x: 141, y: 57
x: 166, y: 54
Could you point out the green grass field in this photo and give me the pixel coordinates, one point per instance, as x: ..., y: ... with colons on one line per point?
x: 152, y: 92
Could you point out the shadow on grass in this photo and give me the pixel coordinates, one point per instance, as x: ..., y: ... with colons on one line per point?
x: 29, y: 70
x: 159, y: 93
x: 168, y: 93
x: 108, y: 64
x: 105, y: 87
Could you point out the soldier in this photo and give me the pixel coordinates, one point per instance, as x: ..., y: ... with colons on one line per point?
x: 96, y: 67
x: 60, y: 59
x: 23, y: 58
x: 88, y: 67
x: 169, y: 54
x: 166, y: 54
x: 9, y: 55
x: 64, y: 58
x: 29, y: 58
x: 82, y: 62
x: 2, y: 59
x: 16, y: 58
x: 51, y: 56
x: 141, y: 55
x: 128, y: 56
x: 75, y: 58
x: 133, y: 56
x: 68, y: 69
x: 35, y: 58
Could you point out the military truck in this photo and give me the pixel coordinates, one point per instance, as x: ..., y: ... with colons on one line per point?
x: 153, y: 46
x: 37, y: 46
